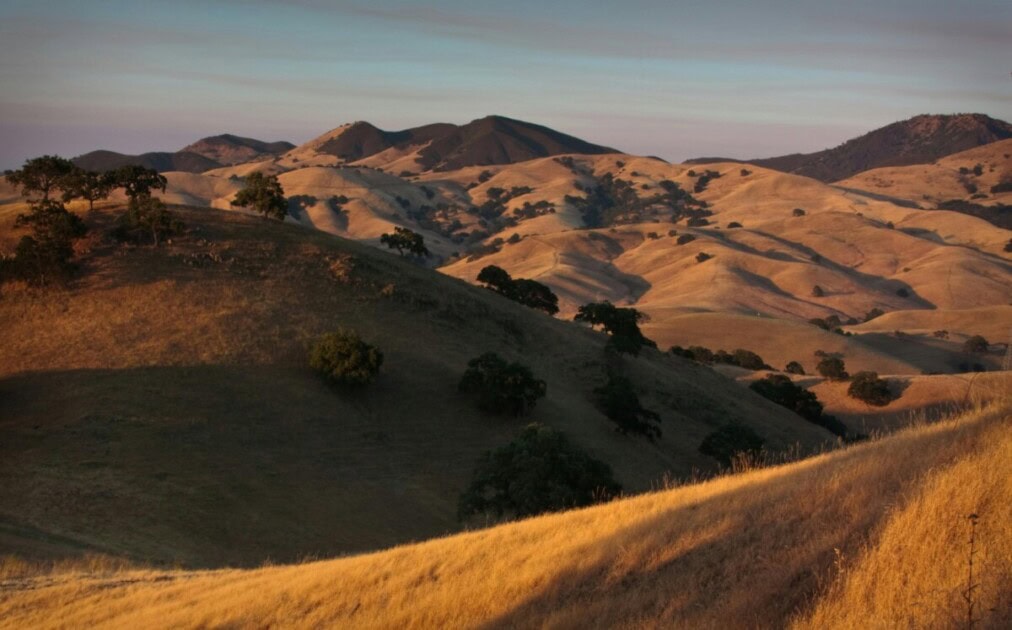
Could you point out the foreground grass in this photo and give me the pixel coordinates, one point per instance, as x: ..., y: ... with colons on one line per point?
x: 874, y: 535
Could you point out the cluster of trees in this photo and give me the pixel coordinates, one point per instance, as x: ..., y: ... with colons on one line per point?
x: 49, y: 183
x: 527, y: 292
x: 868, y: 387
x: 612, y: 200
x: 622, y: 324
x: 784, y: 392
x: 740, y: 357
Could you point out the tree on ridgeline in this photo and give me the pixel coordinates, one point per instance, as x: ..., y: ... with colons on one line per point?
x: 88, y: 185
x: 405, y: 240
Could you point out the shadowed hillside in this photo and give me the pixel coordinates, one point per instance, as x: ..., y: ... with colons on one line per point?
x: 161, y: 407
x: 823, y: 543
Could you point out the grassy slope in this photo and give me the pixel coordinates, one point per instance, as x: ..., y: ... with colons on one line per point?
x: 161, y: 408
x: 872, y: 535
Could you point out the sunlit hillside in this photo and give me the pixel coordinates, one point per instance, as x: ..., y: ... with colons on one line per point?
x: 161, y: 406
x: 823, y: 543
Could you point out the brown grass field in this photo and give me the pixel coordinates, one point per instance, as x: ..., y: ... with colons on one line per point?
x: 876, y: 535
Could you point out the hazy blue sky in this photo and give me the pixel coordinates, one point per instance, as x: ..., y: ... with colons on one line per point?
x: 665, y: 77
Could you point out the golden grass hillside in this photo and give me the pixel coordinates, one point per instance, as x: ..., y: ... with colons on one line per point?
x: 161, y: 407
x: 872, y: 536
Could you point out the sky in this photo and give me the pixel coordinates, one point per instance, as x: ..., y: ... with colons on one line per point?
x: 677, y: 79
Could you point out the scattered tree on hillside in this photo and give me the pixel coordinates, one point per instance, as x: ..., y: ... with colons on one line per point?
x: 976, y: 345
x: 618, y: 401
x: 264, y: 194
x: 87, y: 185
x: 45, y: 256
x: 145, y: 217
x: 540, y: 471
x: 794, y: 368
x: 873, y: 313
x: 527, y: 292
x: 138, y: 182
x: 41, y: 176
x: 818, y: 292
x: 703, y: 257
x: 798, y: 212
x: 405, y: 240
x: 749, y: 360
x: 832, y: 368
x: 621, y: 323
x: 731, y: 442
x: 342, y: 358
x: 868, y: 387
x: 502, y: 387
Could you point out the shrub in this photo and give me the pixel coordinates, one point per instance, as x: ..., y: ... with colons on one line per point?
x: 703, y: 257
x: 798, y: 212
x: 867, y: 386
x: 731, y: 441
x: 976, y: 345
x: 818, y: 292
x: 540, y: 471
x: 794, y: 368
x: 733, y: 224
x: 832, y: 368
x: 685, y: 238
x: 618, y: 401
x: 745, y: 172
x: 342, y: 358
x: 781, y: 390
x: 501, y: 387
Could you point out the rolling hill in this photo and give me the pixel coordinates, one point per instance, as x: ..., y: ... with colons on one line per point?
x: 822, y: 543
x: 160, y: 407
x: 918, y: 140
x: 203, y: 155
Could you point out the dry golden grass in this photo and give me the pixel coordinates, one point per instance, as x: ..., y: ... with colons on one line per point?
x: 160, y: 406
x: 872, y: 536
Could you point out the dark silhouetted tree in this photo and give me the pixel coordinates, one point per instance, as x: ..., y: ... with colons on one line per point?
x: 87, y: 185
x: 40, y: 177
x: 730, y: 442
x: 781, y: 390
x: 621, y: 323
x: 618, y: 401
x: 147, y: 217
x: 502, y: 387
x: 405, y: 240
x: 540, y: 471
x: 794, y: 368
x: 138, y: 182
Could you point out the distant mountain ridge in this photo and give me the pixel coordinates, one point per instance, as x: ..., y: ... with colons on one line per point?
x: 918, y: 140
x: 203, y: 155
x: 444, y: 146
